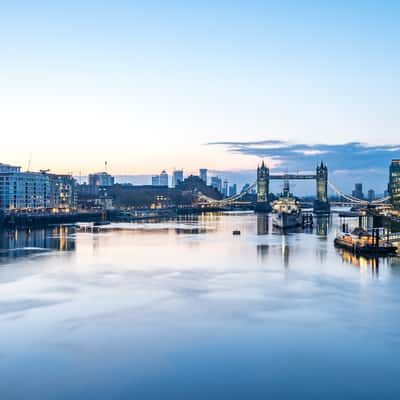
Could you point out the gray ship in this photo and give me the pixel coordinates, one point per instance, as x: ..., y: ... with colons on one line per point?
x: 286, y: 211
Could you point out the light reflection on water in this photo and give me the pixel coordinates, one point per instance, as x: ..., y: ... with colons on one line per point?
x: 22, y: 242
x: 186, y: 310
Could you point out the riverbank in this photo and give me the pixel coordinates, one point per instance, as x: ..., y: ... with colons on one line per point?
x: 43, y: 219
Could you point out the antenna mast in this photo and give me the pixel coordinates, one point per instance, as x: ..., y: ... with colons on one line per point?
x: 29, y: 162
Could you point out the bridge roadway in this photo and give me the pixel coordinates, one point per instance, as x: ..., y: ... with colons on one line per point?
x: 292, y: 177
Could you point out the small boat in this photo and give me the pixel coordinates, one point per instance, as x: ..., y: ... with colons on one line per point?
x: 236, y: 232
x: 286, y: 211
x: 361, y: 242
x: 84, y: 225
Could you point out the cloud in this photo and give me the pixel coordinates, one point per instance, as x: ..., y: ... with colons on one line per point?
x: 348, y: 163
x: 297, y: 156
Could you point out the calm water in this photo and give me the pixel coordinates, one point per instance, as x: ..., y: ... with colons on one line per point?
x: 186, y: 310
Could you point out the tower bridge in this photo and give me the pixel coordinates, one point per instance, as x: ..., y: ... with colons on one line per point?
x: 321, y: 204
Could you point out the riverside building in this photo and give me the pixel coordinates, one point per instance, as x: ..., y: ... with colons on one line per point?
x: 100, y: 179
x: 21, y: 191
x: 62, y: 192
x: 394, y: 183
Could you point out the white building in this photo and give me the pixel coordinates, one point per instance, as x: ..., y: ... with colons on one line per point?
x: 24, y: 190
x: 34, y: 190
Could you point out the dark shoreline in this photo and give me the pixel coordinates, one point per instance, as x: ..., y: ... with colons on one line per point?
x: 42, y: 220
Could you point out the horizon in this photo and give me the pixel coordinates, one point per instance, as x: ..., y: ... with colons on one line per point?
x: 377, y: 177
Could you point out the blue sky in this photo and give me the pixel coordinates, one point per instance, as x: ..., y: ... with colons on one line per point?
x: 146, y: 85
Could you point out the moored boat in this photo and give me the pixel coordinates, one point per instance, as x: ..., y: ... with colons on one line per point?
x: 286, y: 211
x: 362, y: 242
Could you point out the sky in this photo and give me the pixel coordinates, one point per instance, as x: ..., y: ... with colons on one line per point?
x: 175, y: 84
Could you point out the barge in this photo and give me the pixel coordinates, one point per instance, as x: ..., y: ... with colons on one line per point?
x: 361, y: 242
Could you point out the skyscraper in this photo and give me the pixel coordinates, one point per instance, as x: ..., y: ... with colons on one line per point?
x: 358, y: 191
x: 232, y: 190
x: 216, y: 183
x: 203, y: 174
x: 245, y: 187
x: 225, y: 188
x: 394, y: 183
x: 371, y: 195
x: 177, y: 176
x: 163, y: 178
x: 155, y: 180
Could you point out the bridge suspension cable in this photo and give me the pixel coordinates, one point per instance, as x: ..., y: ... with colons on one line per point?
x: 228, y: 200
x: 346, y: 196
x: 381, y: 200
x: 356, y: 200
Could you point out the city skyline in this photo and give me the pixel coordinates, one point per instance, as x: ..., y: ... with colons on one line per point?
x: 242, y: 178
x: 147, y: 87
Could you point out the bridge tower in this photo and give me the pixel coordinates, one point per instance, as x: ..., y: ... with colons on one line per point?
x: 263, y: 188
x: 321, y: 204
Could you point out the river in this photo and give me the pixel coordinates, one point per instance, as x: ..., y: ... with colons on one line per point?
x: 185, y: 310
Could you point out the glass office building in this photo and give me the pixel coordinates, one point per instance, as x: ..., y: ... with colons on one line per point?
x: 394, y: 183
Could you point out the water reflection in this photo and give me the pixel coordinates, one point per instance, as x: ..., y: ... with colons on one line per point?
x: 263, y: 251
x: 262, y: 224
x: 364, y: 263
x: 191, y: 231
x: 22, y: 242
x: 264, y: 228
x: 323, y: 234
x: 285, y: 252
x: 321, y: 225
